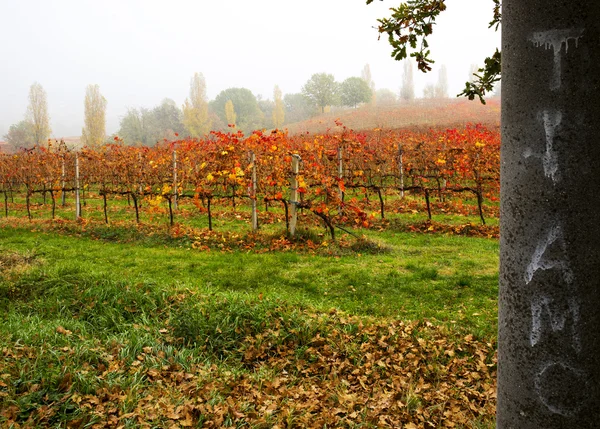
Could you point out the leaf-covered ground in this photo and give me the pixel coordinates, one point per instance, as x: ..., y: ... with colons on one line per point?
x: 130, y: 334
x: 349, y: 375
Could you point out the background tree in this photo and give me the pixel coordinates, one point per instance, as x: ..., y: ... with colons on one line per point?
x: 37, y: 114
x: 354, y: 91
x: 385, y: 97
x: 322, y: 90
x: 148, y: 126
x: 473, y: 68
x: 248, y: 115
x: 20, y: 135
x: 196, y: 119
x: 134, y: 127
x: 441, y: 88
x: 93, y: 133
x: 407, y: 90
x: 230, y: 113
x: 367, y: 77
x: 278, y: 110
x: 497, y: 89
x: 166, y: 121
x: 429, y: 91
x: 266, y: 107
x: 298, y: 107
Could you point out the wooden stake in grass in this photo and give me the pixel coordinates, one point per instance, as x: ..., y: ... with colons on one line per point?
x: 174, y: 183
x: 77, y: 200
x: 253, y: 192
x: 63, y: 196
x: 294, y: 193
x: 340, y: 176
x: 401, y: 169
x: 140, y: 185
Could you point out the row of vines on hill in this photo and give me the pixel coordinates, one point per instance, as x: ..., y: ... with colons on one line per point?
x: 338, y: 173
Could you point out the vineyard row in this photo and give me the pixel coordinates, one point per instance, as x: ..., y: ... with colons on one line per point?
x: 324, y: 174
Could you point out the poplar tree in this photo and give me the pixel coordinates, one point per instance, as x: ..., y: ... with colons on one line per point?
x: 230, y: 113
x: 278, y: 111
x: 441, y: 89
x: 407, y: 91
x: 367, y: 77
x: 37, y: 114
x: 93, y: 133
x: 195, y: 108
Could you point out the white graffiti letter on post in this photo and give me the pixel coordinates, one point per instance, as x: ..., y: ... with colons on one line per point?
x: 548, y: 316
x: 540, y: 261
x: 555, y: 39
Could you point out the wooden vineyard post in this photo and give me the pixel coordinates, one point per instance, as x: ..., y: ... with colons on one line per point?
x: 401, y: 169
x: 294, y: 193
x: 140, y: 186
x: 253, y: 192
x: 174, y: 179
x: 63, y: 196
x: 77, y: 200
x: 340, y: 176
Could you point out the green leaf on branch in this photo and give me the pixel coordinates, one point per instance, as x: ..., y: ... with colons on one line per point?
x: 410, y: 24
x: 486, y: 77
x: 495, y: 22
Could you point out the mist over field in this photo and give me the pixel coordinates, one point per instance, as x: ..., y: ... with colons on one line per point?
x: 141, y: 52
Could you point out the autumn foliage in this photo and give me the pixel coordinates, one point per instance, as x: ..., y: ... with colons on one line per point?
x: 341, y: 171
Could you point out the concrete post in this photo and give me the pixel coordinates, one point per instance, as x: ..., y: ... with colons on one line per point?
x: 549, y: 304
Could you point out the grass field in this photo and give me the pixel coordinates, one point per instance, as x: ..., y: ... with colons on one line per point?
x: 118, y: 327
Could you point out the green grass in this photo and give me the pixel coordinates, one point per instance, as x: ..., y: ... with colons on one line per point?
x: 434, y: 277
x: 72, y: 307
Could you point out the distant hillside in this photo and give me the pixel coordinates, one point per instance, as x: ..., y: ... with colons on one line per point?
x: 72, y: 142
x: 435, y: 113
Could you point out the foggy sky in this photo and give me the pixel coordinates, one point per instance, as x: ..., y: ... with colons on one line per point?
x: 142, y: 51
